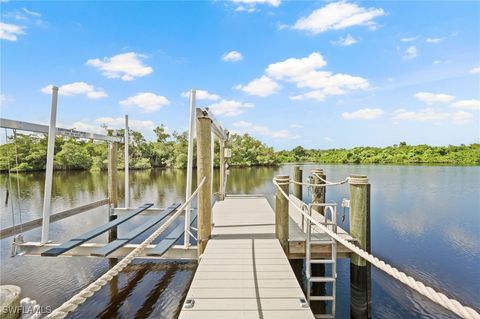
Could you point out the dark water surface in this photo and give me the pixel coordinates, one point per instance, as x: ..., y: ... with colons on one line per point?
x: 425, y: 220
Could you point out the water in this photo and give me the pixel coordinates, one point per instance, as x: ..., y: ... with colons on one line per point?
x: 425, y: 220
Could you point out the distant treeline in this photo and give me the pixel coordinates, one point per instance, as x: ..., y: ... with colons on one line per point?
x: 29, y: 152
x: 396, y: 154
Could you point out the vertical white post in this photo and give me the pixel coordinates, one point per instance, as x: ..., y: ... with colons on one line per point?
x: 127, y: 186
x: 49, y: 168
x: 188, y: 191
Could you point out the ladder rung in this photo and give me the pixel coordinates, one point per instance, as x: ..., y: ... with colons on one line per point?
x: 322, y: 298
x: 322, y: 261
x: 324, y: 315
x: 321, y: 279
x: 322, y: 242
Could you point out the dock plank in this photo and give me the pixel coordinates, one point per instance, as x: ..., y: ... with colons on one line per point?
x: 244, y: 272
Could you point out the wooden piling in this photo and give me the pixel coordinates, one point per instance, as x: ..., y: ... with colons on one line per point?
x: 297, y: 177
x: 204, y: 169
x: 318, y: 192
x: 360, y: 273
x: 112, y: 174
x: 281, y: 211
x: 221, y: 189
x: 112, y: 187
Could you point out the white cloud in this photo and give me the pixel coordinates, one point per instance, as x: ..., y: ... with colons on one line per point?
x: 430, y: 98
x: 328, y: 139
x: 250, y: 5
x: 411, y: 52
x: 3, y: 99
x: 409, y: 39
x: 428, y: 114
x: 434, y: 40
x: 337, y: 16
x: 467, y: 104
x: 247, y: 127
x: 10, y: 32
x: 146, y: 101
x: 263, y: 86
x: 346, y: 41
x: 119, y: 123
x: 77, y: 88
x: 475, y: 70
x: 126, y: 66
x: 32, y: 13
x: 296, y: 126
x: 229, y: 107
x: 232, y: 56
x: 294, y: 67
x: 363, y: 114
x: 202, y: 95
x: 461, y: 117
x: 312, y: 95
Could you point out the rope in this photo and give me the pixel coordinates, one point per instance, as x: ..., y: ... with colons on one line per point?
x: 437, y: 297
x: 331, y: 183
x: 72, y: 304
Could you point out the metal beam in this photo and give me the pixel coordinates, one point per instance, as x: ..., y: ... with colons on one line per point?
x: 40, y: 128
x: 176, y: 252
x: 9, y: 231
x: 217, y: 129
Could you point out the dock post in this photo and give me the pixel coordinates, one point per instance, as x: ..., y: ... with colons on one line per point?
x: 281, y: 211
x: 360, y: 273
x: 204, y: 169
x: 297, y: 177
x: 221, y: 189
x: 112, y: 187
x: 318, y: 192
x: 47, y: 197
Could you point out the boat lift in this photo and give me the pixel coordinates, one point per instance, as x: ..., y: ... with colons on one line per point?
x: 118, y: 245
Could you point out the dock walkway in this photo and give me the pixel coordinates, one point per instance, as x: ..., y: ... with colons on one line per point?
x: 244, y: 272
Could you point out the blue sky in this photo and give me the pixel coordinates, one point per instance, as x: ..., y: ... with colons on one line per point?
x: 316, y: 74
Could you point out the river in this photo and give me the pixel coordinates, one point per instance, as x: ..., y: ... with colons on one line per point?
x: 425, y: 220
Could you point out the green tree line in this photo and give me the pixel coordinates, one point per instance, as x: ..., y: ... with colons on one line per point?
x: 28, y: 152
x: 396, y: 154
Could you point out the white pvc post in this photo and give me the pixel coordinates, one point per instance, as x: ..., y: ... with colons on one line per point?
x: 188, y: 191
x: 47, y: 196
x: 127, y: 186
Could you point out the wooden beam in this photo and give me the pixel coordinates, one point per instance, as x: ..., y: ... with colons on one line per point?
x: 204, y: 169
x: 281, y: 211
x: 9, y: 231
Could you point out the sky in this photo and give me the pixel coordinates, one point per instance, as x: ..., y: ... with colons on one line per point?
x: 311, y: 73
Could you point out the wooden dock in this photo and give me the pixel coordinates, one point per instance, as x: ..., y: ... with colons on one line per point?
x: 244, y: 272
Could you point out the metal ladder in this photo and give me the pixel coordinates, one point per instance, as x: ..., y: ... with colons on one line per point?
x: 327, y: 241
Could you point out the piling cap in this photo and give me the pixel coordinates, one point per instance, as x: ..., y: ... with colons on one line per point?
x: 282, y: 179
x: 358, y: 179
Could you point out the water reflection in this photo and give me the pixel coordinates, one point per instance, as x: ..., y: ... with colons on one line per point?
x: 424, y: 219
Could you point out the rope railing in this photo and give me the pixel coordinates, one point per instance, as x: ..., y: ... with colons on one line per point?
x: 72, y: 304
x: 437, y: 297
